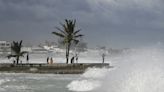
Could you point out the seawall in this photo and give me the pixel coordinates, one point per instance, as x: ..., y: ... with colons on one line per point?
x: 57, y: 68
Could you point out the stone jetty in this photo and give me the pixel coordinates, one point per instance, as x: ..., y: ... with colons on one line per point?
x: 57, y: 68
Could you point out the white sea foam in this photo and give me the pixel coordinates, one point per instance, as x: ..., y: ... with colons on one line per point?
x: 83, y: 85
x: 90, y: 80
x: 16, y: 87
x: 139, y: 70
x: 3, y: 81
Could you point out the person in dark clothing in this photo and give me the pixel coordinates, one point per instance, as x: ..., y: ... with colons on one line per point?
x: 51, y: 62
x: 103, y: 57
x: 14, y: 62
x: 27, y: 58
x: 72, y: 60
x: 76, y: 58
x: 47, y: 60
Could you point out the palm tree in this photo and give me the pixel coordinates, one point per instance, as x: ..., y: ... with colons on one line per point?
x: 16, y: 51
x: 68, y: 35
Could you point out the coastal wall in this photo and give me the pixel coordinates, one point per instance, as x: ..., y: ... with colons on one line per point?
x: 58, y: 68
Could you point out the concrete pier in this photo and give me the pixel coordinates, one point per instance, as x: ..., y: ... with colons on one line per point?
x: 57, y: 68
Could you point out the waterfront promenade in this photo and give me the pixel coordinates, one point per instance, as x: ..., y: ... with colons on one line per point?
x: 56, y: 68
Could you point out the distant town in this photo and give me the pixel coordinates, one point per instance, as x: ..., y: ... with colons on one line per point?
x: 48, y: 47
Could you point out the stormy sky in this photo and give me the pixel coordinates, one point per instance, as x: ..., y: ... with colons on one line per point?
x: 113, y: 23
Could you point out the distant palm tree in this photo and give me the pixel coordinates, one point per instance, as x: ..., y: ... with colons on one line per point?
x: 68, y: 35
x: 16, y: 51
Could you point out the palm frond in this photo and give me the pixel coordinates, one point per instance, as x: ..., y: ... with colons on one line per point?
x: 73, y: 25
x: 77, y: 31
x: 65, y: 28
x: 75, y: 41
x: 58, y: 34
x: 61, y: 30
x: 9, y: 56
x: 16, y: 47
x: 20, y: 44
x: 77, y: 36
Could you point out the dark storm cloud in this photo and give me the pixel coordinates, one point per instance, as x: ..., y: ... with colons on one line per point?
x: 39, y: 9
x: 121, y: 21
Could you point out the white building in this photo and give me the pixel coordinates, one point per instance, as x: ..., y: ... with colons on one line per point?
x: 38, y: 50
x: 4, y: 44
x: 28, y: 49
x: 5, y: 47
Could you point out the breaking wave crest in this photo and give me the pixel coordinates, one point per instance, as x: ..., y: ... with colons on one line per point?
x: 90, y: 80
x: 138, y: 70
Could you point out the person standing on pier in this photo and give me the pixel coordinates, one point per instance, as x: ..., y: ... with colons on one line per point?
x: 72, y: 60
x: 76, y: 58
x: 47, y: 60
x: 51, y: 62
x: 27, y: 58
x: 103, y: 57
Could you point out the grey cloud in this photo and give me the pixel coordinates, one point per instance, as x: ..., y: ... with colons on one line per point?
x: 39, y: 9
x: 95, y: 17
x: 129, y: 12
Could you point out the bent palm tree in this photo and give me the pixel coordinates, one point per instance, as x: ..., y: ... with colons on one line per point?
x: 68, y: 35
x: 16, y: 51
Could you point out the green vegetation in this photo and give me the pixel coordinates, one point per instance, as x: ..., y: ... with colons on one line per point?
x: 16, y: 51
x: 69, y: 35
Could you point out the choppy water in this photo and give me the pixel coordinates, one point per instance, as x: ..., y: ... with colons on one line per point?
x: 44, y: 82
x: 138, y: 70
x: 35, y: 82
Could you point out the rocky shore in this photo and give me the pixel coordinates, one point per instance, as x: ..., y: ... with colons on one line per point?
x: 57, y: 68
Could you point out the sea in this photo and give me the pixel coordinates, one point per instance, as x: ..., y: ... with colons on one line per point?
x: 135, y: 70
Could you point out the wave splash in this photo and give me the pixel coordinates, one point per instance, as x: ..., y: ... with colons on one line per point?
x: 90, y: 80
x: 138, y: 70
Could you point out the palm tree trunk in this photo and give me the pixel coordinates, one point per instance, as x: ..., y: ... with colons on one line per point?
x: 67, y: 54
x: 67, y: 59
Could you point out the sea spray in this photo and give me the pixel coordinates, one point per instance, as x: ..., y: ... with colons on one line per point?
x: 88, y: 81
x: 83, y: 85
x: 95, y: 73
x: 138, y: 70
